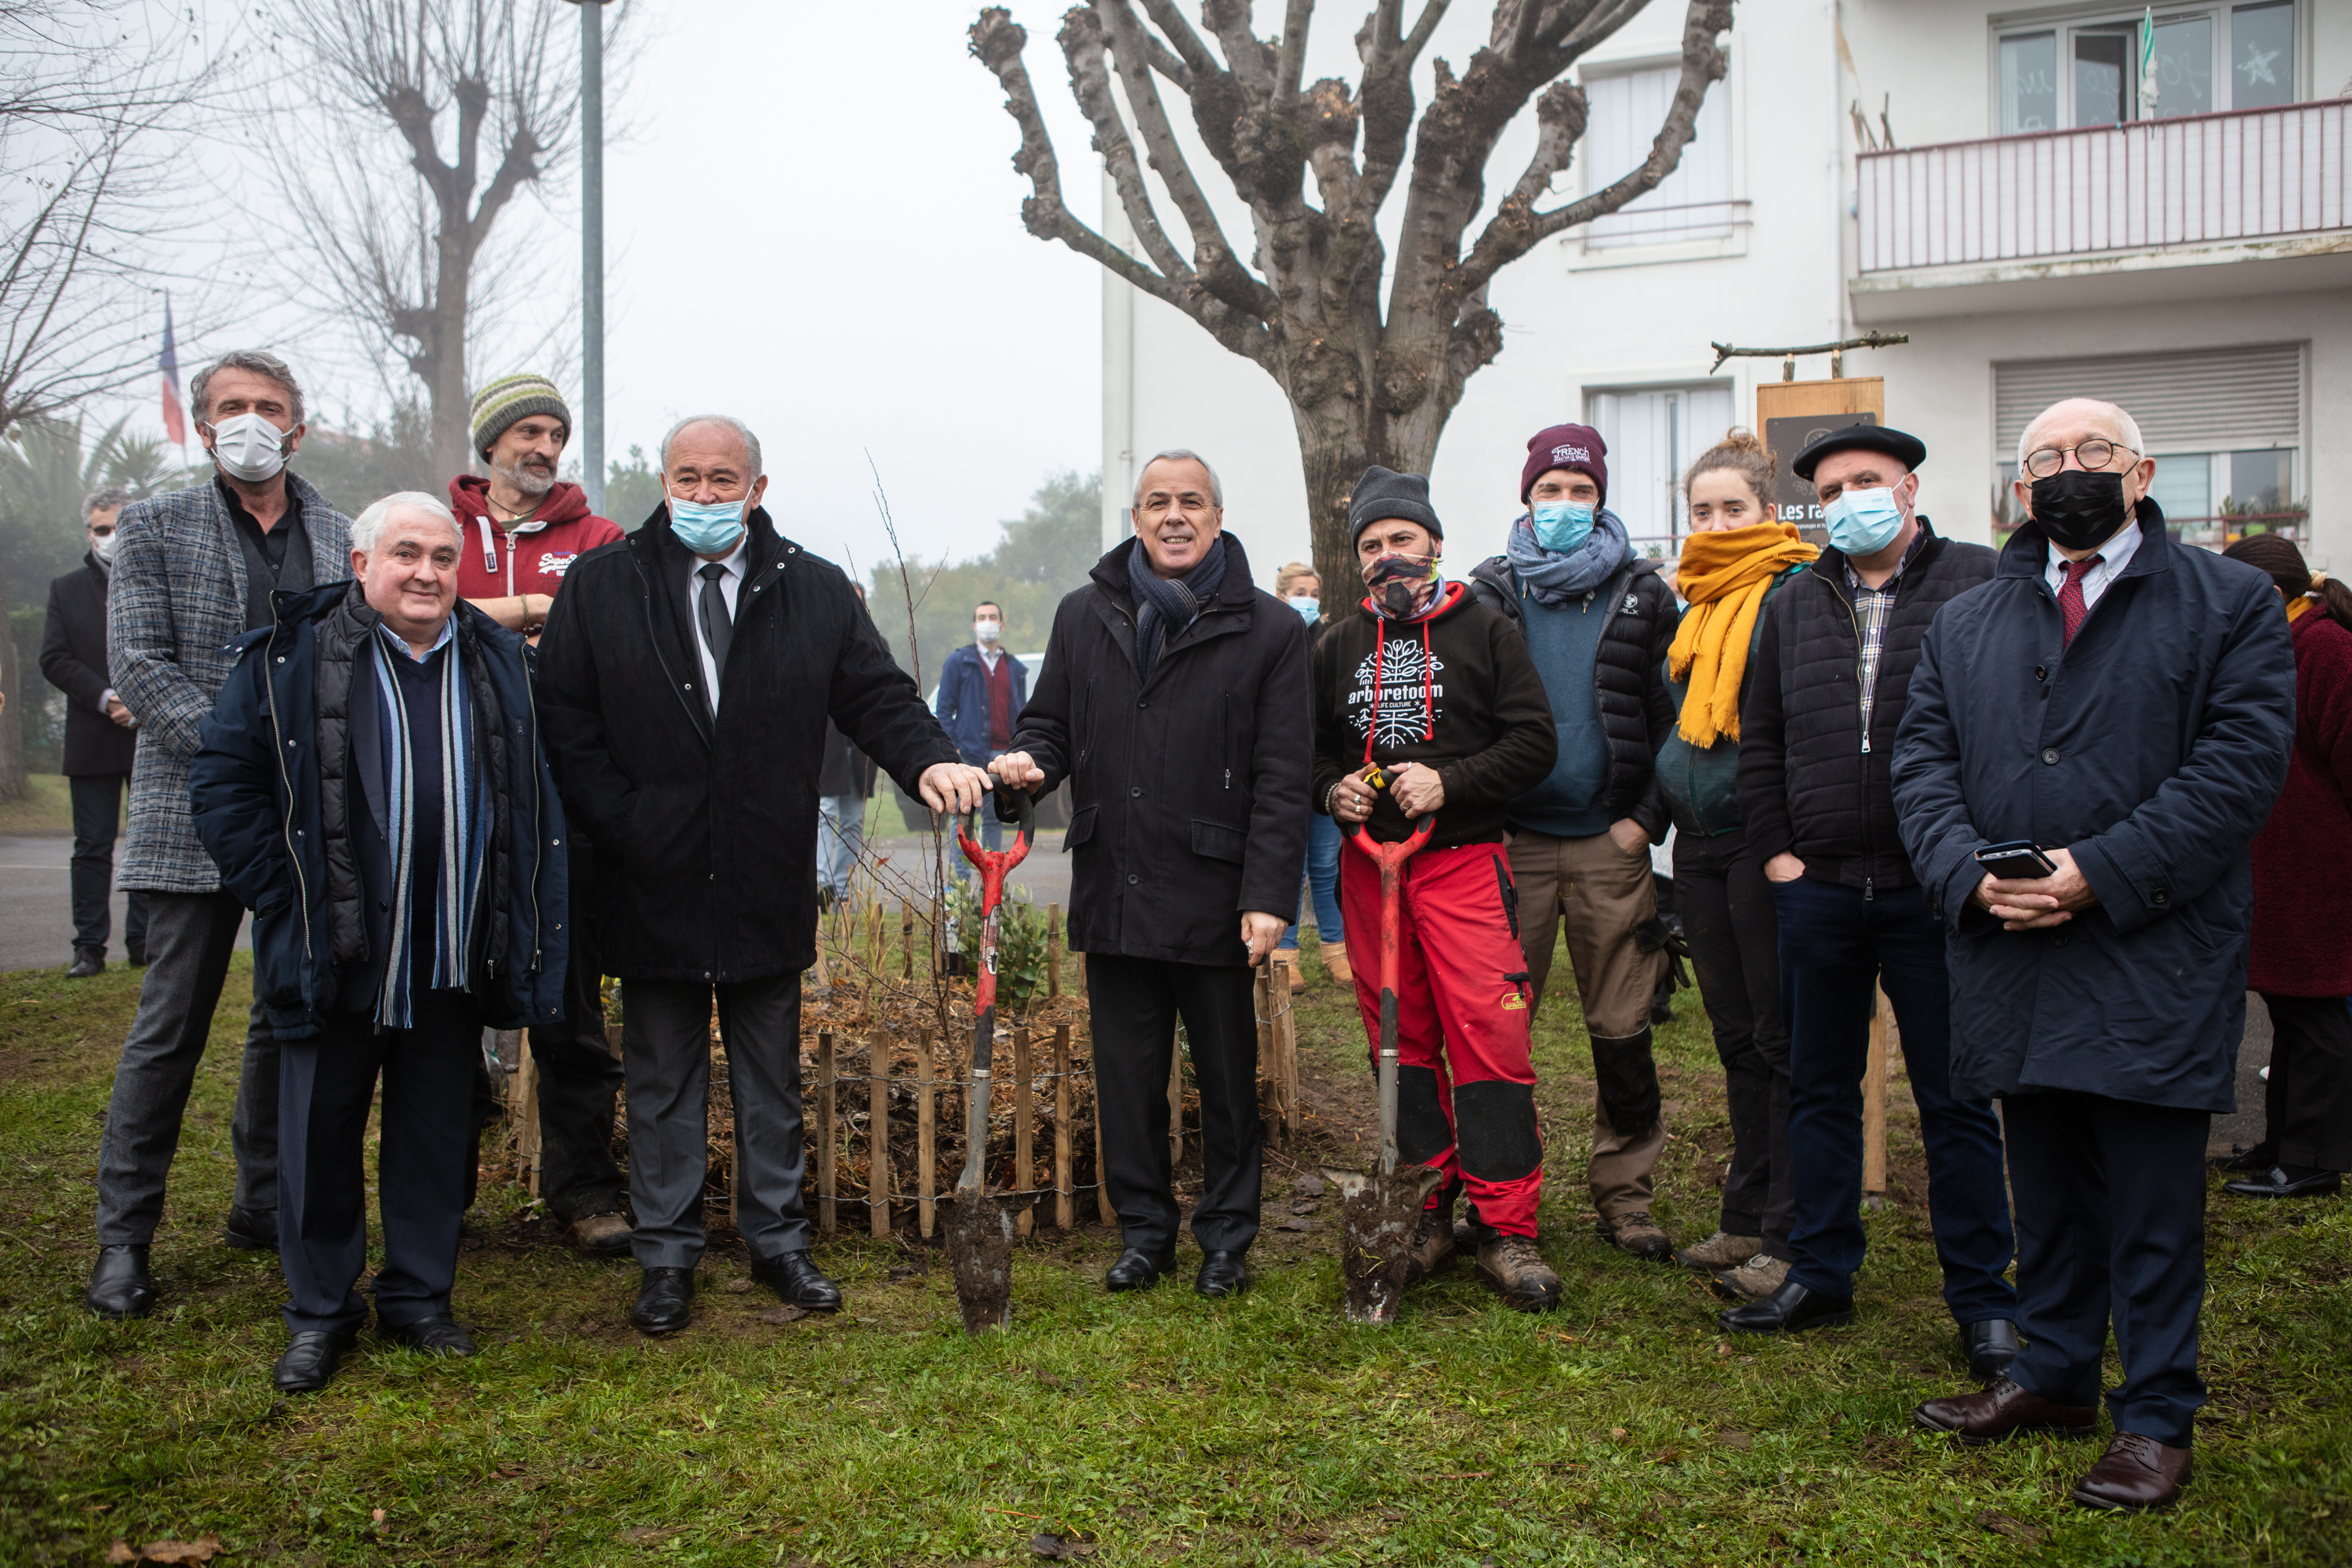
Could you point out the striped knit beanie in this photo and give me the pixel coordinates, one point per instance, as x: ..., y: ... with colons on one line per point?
x: 512, y: 397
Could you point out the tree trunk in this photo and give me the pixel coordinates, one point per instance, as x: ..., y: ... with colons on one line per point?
x: 451, y: 398
x: 12, y: 718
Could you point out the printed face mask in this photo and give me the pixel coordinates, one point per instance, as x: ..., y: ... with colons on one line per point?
x: 1561, y: 525
x: 249, y: 448
x: 1306, y: 604
x: 1862, y: 523
x: 2079, y: 510
x: 708, y: 528
x: 1398, y: 582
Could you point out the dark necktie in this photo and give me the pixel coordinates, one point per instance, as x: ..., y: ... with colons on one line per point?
x: 2070, y: 607
x: 718, y: 628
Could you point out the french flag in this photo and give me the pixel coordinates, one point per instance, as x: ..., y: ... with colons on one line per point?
x: 175, y: 422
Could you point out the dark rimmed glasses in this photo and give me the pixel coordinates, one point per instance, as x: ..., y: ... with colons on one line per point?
x: 2094, y: 454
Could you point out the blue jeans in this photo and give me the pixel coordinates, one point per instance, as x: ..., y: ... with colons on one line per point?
x: 1834, y: 945
x: 1322, y: 880
x: 840, y: 836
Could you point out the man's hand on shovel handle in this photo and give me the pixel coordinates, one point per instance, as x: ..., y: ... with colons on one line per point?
x: 952, y: 789
x: 1263, y: 933
x: 1017, y: 769
x: 1351, y: 798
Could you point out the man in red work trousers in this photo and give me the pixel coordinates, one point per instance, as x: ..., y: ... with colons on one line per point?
x: 1429, y: 703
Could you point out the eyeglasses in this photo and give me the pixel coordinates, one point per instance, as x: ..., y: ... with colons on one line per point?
x: 2094, y: 454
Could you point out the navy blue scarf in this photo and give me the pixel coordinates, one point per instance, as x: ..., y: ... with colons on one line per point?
x: 1163, y: 606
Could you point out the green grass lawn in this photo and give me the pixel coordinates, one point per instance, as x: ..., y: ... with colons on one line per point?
x: 1158, y: 1428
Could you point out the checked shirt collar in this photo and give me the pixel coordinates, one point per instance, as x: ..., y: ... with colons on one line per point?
x: 1872, y: 609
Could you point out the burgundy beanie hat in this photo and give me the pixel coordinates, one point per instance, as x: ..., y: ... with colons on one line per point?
x: 1579, y: 449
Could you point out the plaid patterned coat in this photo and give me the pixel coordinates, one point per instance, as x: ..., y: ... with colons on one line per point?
x: 174, y: 607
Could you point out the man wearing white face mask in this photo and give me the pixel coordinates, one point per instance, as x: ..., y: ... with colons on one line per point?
x: 982, y: 690
x: 192, y: 571
x: 1829, y: 682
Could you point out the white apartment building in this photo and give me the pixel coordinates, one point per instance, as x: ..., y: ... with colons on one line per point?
x: 1985, y: 178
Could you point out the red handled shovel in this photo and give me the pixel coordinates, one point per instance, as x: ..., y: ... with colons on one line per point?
x: 980, y: 1230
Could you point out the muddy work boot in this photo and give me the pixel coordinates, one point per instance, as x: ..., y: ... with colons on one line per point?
x: 1517, y: 1270
x: 1636, y: 1233
x: 1752, y: 1281
x: 1433, y: 1245
x: 1720, y: 1251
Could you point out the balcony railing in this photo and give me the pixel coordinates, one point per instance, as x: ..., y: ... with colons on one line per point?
x: 2204, y: 179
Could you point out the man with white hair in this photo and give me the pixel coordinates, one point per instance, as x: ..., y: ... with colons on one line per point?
x: 371, y: 785
x: 193, y: 569
x: 685, y: 673
x: 2093, y: 740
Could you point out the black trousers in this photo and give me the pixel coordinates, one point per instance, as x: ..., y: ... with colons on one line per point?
x: 2110, y: 1229
x: 1735, y: 942
x: 579, y: 1076
x: 2307, y: 1101
x: 1134, y: 1003
x: 97, y: 808
x: 423, y: 1160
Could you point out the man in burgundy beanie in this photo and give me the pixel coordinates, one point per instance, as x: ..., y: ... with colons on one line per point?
x: 1572, y: 450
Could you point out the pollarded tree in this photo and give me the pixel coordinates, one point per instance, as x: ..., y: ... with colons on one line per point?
x: 1369, y: 381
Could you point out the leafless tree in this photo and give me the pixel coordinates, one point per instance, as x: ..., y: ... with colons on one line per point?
x: 438, y: 113
x: 1367, y: 382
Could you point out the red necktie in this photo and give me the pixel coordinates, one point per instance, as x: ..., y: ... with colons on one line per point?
x: 2070, y: 595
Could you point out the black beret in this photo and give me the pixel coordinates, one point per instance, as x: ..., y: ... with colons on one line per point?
x: 1908, y: 451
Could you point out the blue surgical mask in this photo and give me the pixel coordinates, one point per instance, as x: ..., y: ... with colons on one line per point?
x: 1561, y: 525
x: 1862, y: 523
x: 1306, y: 604
x: 707, y: 529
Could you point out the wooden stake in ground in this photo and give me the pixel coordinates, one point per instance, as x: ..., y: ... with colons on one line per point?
x: 526, y: 1107
x: 1102, y: 1181
x: 828, y: 1145
x: 1053, y: 951
x: 1024, y: 1132
x: 1874, y: 1109
x: 877, y: 1100
x: 1065, y: 1209
x: 927, y: 1155
x: 1285, y: 1051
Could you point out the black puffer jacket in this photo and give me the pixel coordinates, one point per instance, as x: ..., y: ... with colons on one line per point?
x: 1811, y: 782
x: 1629, y: 680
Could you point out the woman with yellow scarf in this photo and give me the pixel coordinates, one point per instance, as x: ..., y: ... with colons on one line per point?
x: 1732, y: 562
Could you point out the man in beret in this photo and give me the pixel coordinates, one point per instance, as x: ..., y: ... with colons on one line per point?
x: 523, y: 528
x: 1831, y: 677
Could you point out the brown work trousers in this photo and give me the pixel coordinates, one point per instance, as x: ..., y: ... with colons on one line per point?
x: 1601, y: 893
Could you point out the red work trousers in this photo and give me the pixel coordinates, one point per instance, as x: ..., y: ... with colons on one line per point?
x: 1465, y: 1085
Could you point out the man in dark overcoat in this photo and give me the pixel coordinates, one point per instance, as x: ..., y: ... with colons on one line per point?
x: 2127, y: 704
x: 683, y: 673
x: 1174, y: 698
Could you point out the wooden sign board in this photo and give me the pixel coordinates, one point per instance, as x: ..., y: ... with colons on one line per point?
x: 1792, y: 415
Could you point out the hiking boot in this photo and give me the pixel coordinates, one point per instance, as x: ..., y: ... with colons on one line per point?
x: 1433, y: 1245
x: 602, y: 1235
x: 1335, y: 963
x: 1752, y: 1281
x: 1517, y: 1270
x: 1638, y: 1234
x: 1720, y: 1251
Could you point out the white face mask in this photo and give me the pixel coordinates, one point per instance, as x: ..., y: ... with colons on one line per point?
x: 249, y: 448
x: 987, y: 631
x: 102, y: 546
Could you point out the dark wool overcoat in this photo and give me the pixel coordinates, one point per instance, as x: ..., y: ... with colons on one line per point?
x: 73, y: 660
x: 1188, y: 792
x: 2152, y: 748
x: 2302, y: 921
x: 705, y: 825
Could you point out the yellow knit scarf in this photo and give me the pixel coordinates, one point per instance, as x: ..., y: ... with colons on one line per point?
x: 1725, y: 575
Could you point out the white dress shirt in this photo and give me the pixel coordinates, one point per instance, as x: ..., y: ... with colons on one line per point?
x: 2114, y: 556
x: 989, y: 656
x: 736, y: 562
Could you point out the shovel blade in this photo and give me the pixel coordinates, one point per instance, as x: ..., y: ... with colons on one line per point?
x: 1380, y: 1215
x: 980, y: 1256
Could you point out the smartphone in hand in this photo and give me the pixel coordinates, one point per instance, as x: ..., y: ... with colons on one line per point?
x: 2020, y: 860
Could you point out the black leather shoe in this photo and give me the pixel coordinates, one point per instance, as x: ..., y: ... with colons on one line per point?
x: 665, y: 1301
x: 310, y: 1362
x: 119, y: 1287
x: 251, y: 1230
x: 135, y: 956
x: 436, y: 1336
x: 1137, y: 1269
x: 1223, y: 1274
x: 1788, y: 1310
x: 2288, y: 1181
x: 1989, y: 1346
x: 88, y: 961
x: 795, y: 1276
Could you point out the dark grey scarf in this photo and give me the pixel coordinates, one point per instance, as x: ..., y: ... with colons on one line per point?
x: 1164, y: 608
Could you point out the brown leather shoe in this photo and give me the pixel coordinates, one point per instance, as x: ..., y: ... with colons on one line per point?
x: 2136, y: 1474
x: 1994, y: 1413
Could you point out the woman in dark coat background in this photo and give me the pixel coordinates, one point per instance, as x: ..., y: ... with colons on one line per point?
x: 2300, y: 960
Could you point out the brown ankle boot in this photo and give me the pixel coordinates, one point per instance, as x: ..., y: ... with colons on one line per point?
x: 1334, y: 961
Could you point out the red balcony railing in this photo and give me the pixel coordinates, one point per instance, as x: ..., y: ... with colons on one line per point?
x: 2259, y: 174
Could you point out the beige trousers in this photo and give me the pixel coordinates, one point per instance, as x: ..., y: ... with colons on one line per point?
x: 1600, y: 893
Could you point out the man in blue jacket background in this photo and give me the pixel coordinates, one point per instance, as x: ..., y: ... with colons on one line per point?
x: 372, y: 786
x: 982, y: 690
x: 2127, y: 704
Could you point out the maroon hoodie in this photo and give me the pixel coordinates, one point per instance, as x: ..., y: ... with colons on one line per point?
x: 532, y: 557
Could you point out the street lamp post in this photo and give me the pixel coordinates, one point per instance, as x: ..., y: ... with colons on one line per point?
x: 591, y: 251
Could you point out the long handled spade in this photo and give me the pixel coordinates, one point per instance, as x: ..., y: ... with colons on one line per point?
x: 1381, y: 1211
x: 980, y: 1230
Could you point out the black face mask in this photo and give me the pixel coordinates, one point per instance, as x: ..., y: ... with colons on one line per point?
x: 2080, y: 510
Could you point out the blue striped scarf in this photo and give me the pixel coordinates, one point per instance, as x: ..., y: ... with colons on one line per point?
x: 463, y: 823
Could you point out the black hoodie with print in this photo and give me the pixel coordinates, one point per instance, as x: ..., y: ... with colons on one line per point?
x: 1456, y: 692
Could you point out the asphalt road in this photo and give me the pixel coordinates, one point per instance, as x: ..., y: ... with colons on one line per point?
x: 36, y: 932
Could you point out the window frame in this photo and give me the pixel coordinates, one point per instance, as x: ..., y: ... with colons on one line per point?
x: 2065, y: 22
x: 1678, y: 505
x: 1583, y: 255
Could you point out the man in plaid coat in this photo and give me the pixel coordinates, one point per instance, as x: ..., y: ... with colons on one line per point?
x: 194, y: 571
